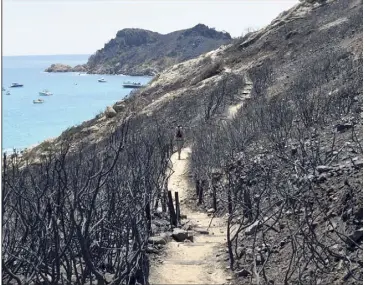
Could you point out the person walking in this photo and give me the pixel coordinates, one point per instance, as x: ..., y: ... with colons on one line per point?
x: 179, y: 138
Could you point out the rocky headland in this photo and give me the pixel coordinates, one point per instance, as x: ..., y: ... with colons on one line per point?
x: 59, y: 67
x: 145, y: 53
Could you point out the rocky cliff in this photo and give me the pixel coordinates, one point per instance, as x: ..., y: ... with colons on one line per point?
x: 142, y: 52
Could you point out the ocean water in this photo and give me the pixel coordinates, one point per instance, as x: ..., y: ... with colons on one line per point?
x: 75, y: 98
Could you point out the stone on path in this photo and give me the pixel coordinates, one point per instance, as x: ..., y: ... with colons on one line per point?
x: 157, y: 240
x: 180, y: 235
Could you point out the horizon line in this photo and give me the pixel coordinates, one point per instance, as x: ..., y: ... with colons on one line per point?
x: 56, y: 54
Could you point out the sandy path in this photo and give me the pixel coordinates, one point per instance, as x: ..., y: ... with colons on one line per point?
x: 191, y: 263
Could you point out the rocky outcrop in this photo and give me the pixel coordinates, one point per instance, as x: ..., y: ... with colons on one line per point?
x: 119, y: 107
x: 141, y: 52
x: 110, y: 112
x: 80, y: 68
x: 59, y: 67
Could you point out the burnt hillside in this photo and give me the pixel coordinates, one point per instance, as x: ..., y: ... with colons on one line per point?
x: 274, y: 121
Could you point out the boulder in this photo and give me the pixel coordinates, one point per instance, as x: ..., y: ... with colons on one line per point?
x: 166, y: 236
x: 119, y: 107
x: 110, y: 112
x: 240, y: 251
x: 187, y: 227
x: 252, y: 229
x: 151, y: 249
x: 321, y: 178
x: 343, y: 127
x: 154, y: 229
x: 202, y: 231
x: 243, y: 273
x: 92, y: 129
x: 180, y: 235
x: 358, y: 163
x: 323, y: 168
x: 189, y: 239
x: 160, y: 223
x: 260, y: 259
x: 355, y: 237
x: 157, y: 240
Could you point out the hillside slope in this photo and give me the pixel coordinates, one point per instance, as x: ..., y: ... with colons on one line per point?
x: 274, y: 121
x: 142, y: 52
x: 274, y: 58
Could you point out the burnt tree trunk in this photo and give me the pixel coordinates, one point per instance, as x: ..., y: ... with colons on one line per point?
x: 177, y: 206
x: 197, y: 187
x: 203, y: 184
x: 215, y: 179
x: 171, y: 209
x: 164, y: 198
x: 148, y: 216
x: 230, y: 211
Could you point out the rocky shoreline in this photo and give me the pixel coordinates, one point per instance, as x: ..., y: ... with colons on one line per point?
x: 133, y: 71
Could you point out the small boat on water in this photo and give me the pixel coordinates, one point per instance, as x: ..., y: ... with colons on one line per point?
x: 7, y: 93
x: 101, y: 80
x: 132, y: 85
x: 45, y: 92
x: 38, y: 101
x: 16, y: 85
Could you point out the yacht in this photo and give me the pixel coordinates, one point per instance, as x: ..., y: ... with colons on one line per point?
x: 45, y: 92
x: 16, y: 85
x: 132, y: 85
x: 38, y: 101
x: 101, y: 80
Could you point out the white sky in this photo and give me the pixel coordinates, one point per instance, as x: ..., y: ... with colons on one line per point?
x: 83, y: 26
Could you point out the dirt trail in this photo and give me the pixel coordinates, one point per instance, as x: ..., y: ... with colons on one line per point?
x: 196, y: 262
x: 245, y: 95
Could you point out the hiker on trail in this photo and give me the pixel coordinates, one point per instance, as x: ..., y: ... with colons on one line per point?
x: 179, y: 137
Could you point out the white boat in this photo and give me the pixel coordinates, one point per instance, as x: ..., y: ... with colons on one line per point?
x: 38, y: 101
x: 129, y: 84
x: 16, y: 85
x: 45, y: 92
x: 7, y: 93
x: 101, y: 80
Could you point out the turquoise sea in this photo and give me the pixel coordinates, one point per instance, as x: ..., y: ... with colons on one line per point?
x: 76, y: 98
